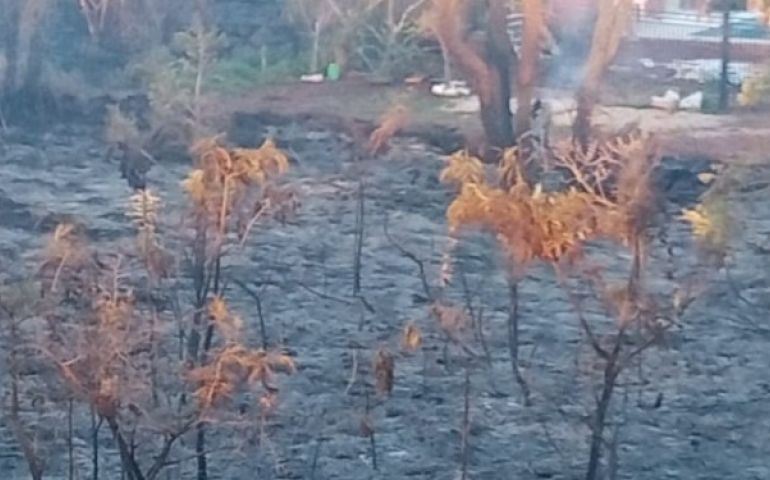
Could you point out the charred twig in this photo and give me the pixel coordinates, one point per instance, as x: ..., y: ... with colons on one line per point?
x: 258, y: 300
x: 551, y: 441
x: 70, y: 444
x: 736, y: 291
x: 649, y: 342
x: 359, y: 244
x: 513, y: 340
x: 369, y: 427
x: 96, y: 425
x: 599, y: 421
x: 613, y: 460
x: 353, y: 372
x: 592, y: 338
x: 411, y: 256
x: 337, y: 299
x: 477, y: 318
x: 316, y: 456
x: 3, y: 123
x: 252, y: 221
x: 466, y: 427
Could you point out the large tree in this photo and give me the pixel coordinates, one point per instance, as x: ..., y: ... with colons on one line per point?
x: 488, y: 63
x: 22, y: 36
x: 526, y: 80
x: 613, y: 17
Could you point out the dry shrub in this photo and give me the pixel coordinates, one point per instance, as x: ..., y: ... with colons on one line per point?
x: 230, y: 190
x: 605, y: 196
x: 394, y: 120
x: 463, y: 169
x: 100, y: 344
x: 755, y: 90
x: 235, y: 367
x: 230, y: 187
x: 711, y: 221
x: 411, y: 339
x: 67, y: 260
x: 143, y: 210
x: 112, y: 348
x: 384, y: 371
x: 453, y: 321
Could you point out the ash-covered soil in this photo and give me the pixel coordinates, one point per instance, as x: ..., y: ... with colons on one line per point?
x: 698, y: 406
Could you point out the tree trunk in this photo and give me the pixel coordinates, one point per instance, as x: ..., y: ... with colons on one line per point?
x: 24, y: 53
x: 200, y: 452
x: 314, y: 60
x: 447, y: 62
x: 513, y: 340
x: 586, y: 99
x: 133, y: 472
x: 12, y: 9
x: 611, y: 24
x: 600, y: 416
x: 489, y: 70
x: 30, y: 36
x: 724, y: 80
x: 500, y: 56
x: 528, y: 64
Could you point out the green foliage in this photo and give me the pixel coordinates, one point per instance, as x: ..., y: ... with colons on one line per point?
x: 170, y: 73
x: 382, y: 37
x: 391, y: 54
x: 246, y: 68
x: 197, y: 48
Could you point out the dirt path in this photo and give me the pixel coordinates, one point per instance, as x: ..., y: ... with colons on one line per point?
x: 741, y: 138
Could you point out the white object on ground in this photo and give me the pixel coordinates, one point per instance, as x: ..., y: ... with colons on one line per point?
x: 692, y: 102
x: 669, y: 101
x: 705, y: 70
x: 312, y: 78
x: 647, y: 62
x: 451, y: 89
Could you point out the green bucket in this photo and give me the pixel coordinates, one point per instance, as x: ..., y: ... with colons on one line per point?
x: 333, y: 72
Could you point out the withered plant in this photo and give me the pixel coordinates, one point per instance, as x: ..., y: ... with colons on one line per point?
x: 391, y: 122
x: 234, y: 373
x: 101, y: 345
x: 606, y: 195
x: 109, y: 315
x: 230, y: 190
x: 106, y: 356
x: 18, y: 308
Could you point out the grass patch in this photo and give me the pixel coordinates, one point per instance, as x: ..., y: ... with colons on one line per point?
x: 246, y: 69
